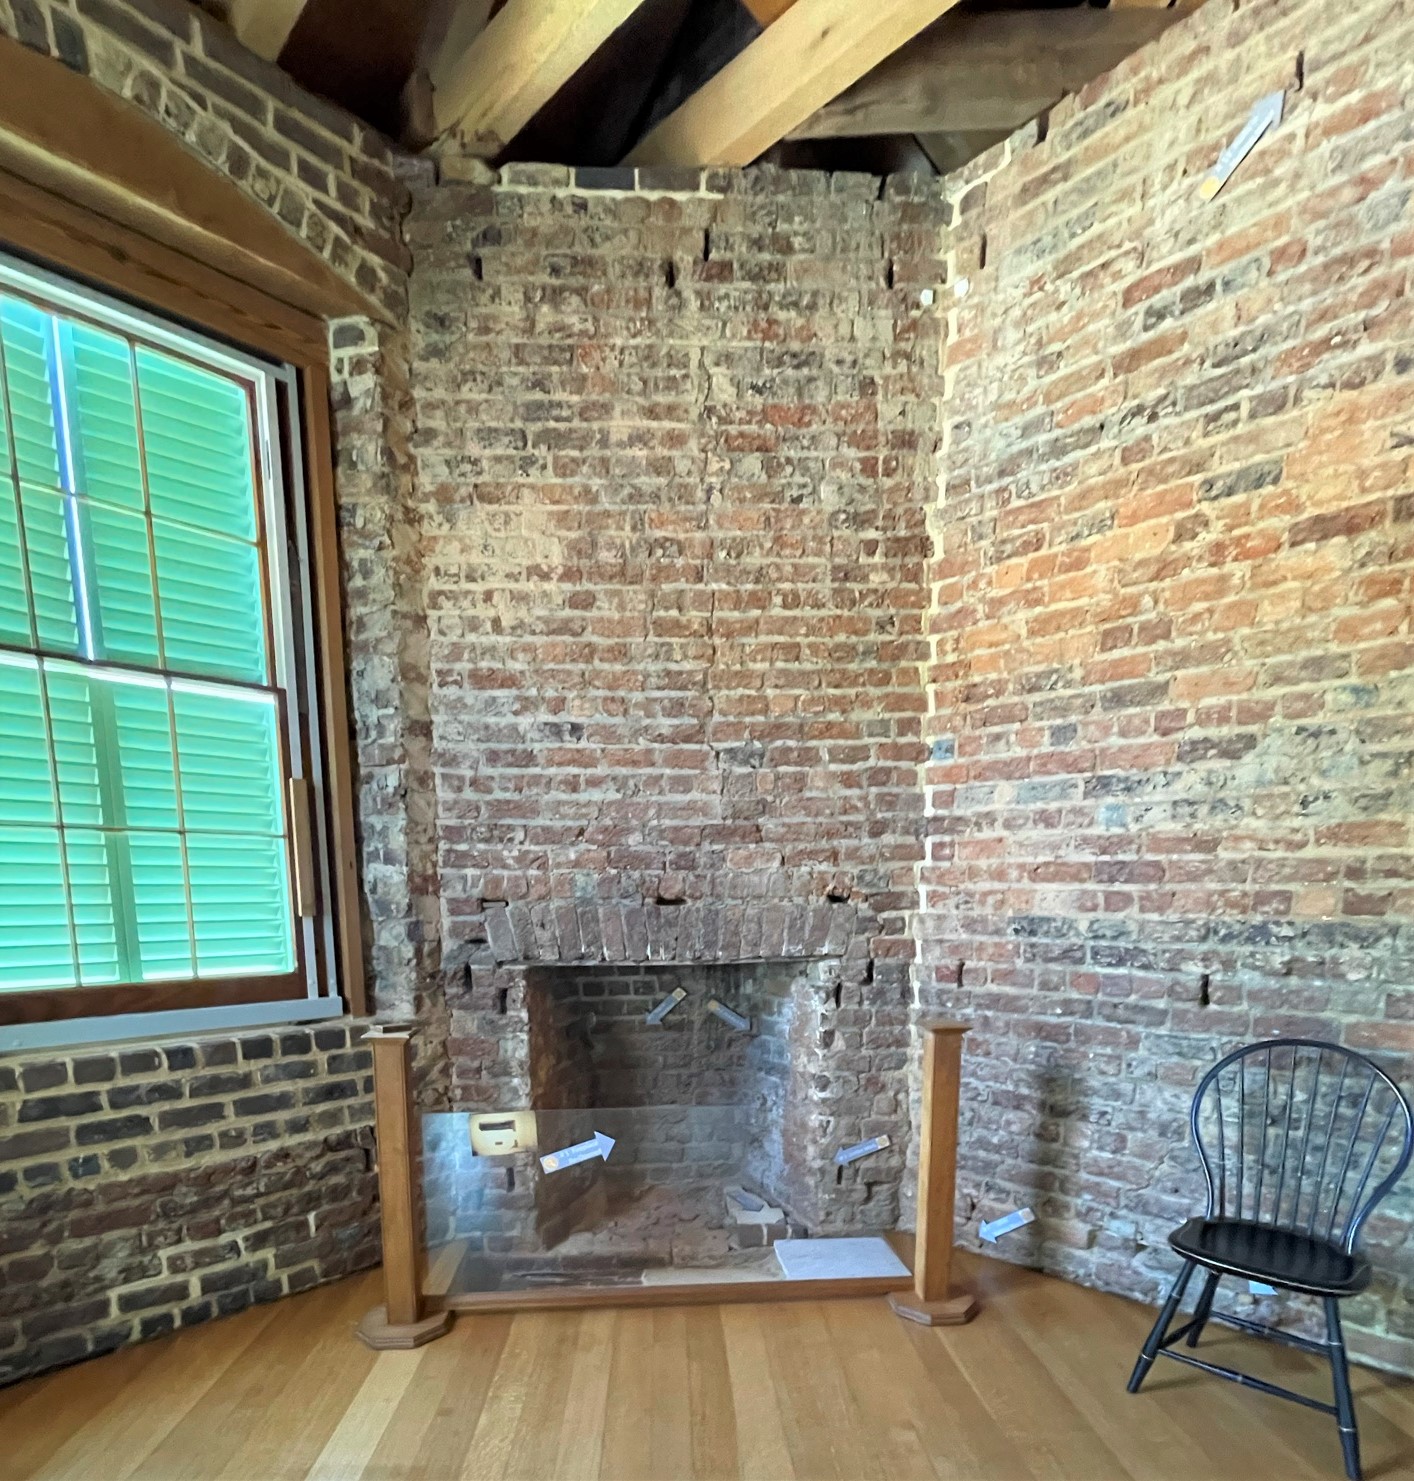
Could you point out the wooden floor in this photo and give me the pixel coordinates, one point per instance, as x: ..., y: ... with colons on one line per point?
x: 1034, y: 1388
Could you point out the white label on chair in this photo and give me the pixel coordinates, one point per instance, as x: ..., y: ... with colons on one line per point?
x: 1258, y: 1289
x: 990, y: 1232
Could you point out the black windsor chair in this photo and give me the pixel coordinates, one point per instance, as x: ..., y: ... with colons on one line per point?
x: 1299, y: 1140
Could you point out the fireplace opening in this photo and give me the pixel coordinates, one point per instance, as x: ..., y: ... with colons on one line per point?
x: 688, y: 1069
x: 670, y: 1129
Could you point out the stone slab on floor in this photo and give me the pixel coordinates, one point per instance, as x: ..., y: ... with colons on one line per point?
x: 837, y: 1259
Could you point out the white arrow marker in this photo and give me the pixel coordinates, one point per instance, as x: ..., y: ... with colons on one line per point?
x: 861, y: 1149
x: 666, y: 1006
x: 990, y: 1232
x: 739, y: 1021
x: 598, y: 1145
x: 1266, y: 114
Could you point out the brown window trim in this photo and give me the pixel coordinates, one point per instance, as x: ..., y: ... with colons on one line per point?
x: 72, y: 239
x: 53, y: 1005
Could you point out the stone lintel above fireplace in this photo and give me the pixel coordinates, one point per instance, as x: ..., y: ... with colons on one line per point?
x: 692, y: 932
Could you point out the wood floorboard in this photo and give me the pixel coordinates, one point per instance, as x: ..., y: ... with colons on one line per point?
x: 581, y: 1430
x: 431, y: 1432
x: 761, y: 1436
x: 861, y: 1336
x: 1033, y: 1390
x: 1052, y: 1323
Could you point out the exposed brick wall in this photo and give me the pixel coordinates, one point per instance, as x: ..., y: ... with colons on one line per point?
x: 329, y: 179
x: 1170, y: 807
x: 386, y: 651
x: 669, y: 449
x: 144, y: 1188
x: 691, y: 1057
x: 636, y: 517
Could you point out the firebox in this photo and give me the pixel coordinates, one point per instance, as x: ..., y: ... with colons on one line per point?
x: 671, y: 1125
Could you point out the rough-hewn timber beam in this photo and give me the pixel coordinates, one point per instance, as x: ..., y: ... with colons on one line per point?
x: 264, y: 25
x: 809, y: 55
x: 988, y: 71
x: 489, y: 89
x: 766, y: 11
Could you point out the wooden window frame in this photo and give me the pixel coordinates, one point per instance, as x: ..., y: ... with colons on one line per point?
x: 84, y: 240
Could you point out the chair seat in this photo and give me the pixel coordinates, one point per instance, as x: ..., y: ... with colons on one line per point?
x: 1279, y: 1257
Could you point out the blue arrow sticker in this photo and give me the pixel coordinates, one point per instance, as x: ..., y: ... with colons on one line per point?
x: 993, y: 1231
x: 666, y: 1006
x: 861, y: 1149
x: 598, y: 1145
x: 738, y: 1021
x: 1266, y: 114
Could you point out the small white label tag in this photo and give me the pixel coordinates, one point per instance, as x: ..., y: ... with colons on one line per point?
x: 991, y: 1232
x: 1258, y: 1289
x: 666, y: 1006
x: 598, y: 1145
x: 1266, y: 114
x: 738, y: 1021
x: 861, y: 1149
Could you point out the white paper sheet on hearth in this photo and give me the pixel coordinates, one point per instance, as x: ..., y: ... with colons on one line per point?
x: 837, y: 1259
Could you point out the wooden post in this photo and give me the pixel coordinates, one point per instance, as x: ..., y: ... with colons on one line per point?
x: 932, y: 1300
x: 401, y: 1321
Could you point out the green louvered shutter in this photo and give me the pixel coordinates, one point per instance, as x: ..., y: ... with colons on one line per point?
x: 34, y: 914
x: 143, y: 833
x: 201, y: 481
x: 14, y: 603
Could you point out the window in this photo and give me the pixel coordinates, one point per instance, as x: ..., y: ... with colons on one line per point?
x: 155, y: 750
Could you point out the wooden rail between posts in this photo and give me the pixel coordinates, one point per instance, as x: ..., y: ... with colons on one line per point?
x: 411, y: 1315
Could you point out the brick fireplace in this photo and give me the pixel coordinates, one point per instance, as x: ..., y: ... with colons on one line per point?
x: 696, y: 1104
x: 673, y: 662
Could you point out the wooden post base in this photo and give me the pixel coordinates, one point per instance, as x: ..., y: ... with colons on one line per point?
x: 377, y: 1332
x: 953, y: 1311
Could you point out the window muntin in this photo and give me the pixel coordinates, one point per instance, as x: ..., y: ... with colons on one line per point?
x: 148, y: 729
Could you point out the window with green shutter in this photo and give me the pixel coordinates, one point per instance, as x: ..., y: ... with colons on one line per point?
x: 150, y: 747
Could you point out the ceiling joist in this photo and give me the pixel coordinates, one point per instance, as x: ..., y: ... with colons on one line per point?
x: 264, y: 25
x: 489, y: 86
x: 763, y: 12
x: 806, y: 57
x: 987, y: 71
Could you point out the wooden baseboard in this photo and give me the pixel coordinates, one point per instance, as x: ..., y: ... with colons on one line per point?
x: 560, y: 1298
x: 377, y: 1332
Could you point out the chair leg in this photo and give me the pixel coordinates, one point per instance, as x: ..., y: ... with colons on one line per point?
x: 1204, y: 1306
x: 1150, y: 1350
x: 1344, y: 1403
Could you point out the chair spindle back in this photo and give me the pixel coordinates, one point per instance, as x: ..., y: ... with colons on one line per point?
x: 1300, y: 1135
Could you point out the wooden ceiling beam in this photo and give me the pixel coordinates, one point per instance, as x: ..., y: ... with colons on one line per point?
x: 763, y: 12
x: 264, y: 25
x: 994, y: 70
x: 809, y: 55
x: 487, y: 86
